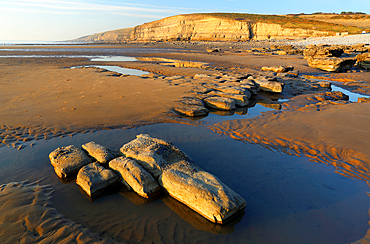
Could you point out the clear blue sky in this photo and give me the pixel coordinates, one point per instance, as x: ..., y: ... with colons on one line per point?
x: 54, y: 20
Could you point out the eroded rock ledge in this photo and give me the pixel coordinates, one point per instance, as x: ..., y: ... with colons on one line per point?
x: 149, y: 166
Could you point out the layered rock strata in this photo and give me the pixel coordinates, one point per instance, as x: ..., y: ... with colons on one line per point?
x: 198, y: 27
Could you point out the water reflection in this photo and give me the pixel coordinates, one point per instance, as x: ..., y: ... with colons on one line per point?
x: 198, y: 221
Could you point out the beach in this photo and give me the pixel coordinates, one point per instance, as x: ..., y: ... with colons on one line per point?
x: 302, y: 166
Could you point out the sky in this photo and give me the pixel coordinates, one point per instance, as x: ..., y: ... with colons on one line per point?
x: 60, y: 20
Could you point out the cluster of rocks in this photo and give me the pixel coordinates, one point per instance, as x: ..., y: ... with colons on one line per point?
x: 224, y: 91
x: 147, y: 166
x: 337, y: 58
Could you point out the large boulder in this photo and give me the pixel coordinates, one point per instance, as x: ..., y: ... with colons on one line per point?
x: 100, y: 153
x: 323, y: 51
x: 332, y: 64
x: 153, y: 154
x: 135, y: 176
x: 202, y: 192
x: 94, y: 179
x: 222, y: 103
x: 67, y: 161
x: 270, y: 85
x: 240, y: 100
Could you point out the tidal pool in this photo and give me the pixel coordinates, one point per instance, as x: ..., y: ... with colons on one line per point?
x: 289, y: 199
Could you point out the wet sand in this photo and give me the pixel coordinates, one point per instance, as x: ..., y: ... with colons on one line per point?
x: 288, y: 197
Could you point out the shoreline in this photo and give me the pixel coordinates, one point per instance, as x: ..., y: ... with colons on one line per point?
x: 43, y: 99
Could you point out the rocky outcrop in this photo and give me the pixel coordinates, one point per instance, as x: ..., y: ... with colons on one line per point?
x: 67, y: 161
x: 328, y: 58
x: 332, y: 64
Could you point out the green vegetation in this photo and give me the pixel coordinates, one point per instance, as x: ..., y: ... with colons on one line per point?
x: 291, y: 21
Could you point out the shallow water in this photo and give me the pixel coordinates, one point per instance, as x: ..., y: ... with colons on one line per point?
x: 117, y: 69
x: 352, y: 95
x: 289, y: 199
x: 216, y: 116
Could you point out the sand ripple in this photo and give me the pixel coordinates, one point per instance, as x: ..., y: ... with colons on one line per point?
x: 27, y: 217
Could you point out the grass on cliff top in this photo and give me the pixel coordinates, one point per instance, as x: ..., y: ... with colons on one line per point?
x: 290, y: 22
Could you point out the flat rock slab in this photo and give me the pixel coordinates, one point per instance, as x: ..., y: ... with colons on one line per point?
x: 191, y: 101
x: 191, y: 110
x: 94, y: 179
x: 240, y: 100
x: 135, y: 176
x: 67, y: 161
x: 277, y: 69
x: 154, y: 155
x: 331, y: 64
x: 222, y: 103
x: 234, y: 90
x: 202, y: 192
x: 270, y: 86
x: 100, y: 153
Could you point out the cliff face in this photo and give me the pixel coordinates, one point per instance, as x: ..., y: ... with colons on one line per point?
x: 199, y: 28
x: 193, y: 27
x: 108, y: 36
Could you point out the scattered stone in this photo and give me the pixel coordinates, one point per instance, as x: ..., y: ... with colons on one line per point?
x: 94, y: 179
x: 202, y: 76
x: 135, y: 176
x: 332, y: 64
x: 202, y: 192
x: 336, y: 96
x: 213, y: 50
x: 100, y: 153
x: 363, y: 99
x: 277, y: 69
x: 67, y: 161
x: 220, y: 103
x: 153, y: 154
x: 325, y: 84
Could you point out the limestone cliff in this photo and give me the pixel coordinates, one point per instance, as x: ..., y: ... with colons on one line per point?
x: 204, y: 27
x: 108, y: 36
x: 199, y: 27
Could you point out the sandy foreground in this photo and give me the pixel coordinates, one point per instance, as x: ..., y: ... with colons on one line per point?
x: 43, y: 98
